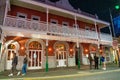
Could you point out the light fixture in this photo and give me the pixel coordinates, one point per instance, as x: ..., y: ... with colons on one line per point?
x: 49, y: 49
x: 71, y: 50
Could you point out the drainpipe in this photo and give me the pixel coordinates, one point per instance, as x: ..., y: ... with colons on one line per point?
x: 46, y: 69
x: 78, y: 49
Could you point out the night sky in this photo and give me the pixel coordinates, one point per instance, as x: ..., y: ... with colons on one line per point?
x: 99, y: 7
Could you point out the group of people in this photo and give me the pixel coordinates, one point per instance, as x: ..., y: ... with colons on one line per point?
x: 15, y: 63
x: 95, y: 60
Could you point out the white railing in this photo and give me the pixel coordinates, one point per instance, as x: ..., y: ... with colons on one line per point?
x: 106, y: 37
x: 56, y: 29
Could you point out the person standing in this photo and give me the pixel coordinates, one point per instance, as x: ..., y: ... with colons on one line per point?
x: 14, y: 64
x: 90, y: 60
x: 103, y: 61
x: 24, y: 68
x: 96, y: 61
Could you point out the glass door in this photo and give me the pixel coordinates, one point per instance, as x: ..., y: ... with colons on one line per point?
x: 35, y: 59
x: 61, y: 58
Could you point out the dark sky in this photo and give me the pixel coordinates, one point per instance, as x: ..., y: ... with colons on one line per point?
x: 99, y: 7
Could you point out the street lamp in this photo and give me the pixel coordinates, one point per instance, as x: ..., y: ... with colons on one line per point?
x: 116, y: 7
x: 112, y: 25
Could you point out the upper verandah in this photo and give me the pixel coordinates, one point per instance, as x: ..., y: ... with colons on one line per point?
x: 60, y: 8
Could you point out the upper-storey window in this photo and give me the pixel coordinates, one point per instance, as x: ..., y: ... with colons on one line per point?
x: 35, y: 18
x: 76, y: 26
x: 87, y: 28
x: 53, y: 21
x: 65, y: 23
x: 93, y: 29
x: 21, y: 15
x: 21, y: 22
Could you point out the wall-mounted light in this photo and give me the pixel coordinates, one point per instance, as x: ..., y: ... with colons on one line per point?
x: 100, y: 50
x: 86, y: 50
x: 49, y: 49
x: 71, y: 50
x: 22, y: 48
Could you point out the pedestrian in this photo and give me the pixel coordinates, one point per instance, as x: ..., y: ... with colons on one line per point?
x: 24, y: 68
x: 96, y: 61
x: 90, y: 60
x: 103, y: 61
x: 14, y: 65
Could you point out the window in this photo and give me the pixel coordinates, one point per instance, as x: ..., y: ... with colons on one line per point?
x: 76, y: 26
x: 93, y: 29
x: 87, y: 28
x: 35, y: 18
x: 21, y: 15
x: 65, y: 23
x: 54, y: 21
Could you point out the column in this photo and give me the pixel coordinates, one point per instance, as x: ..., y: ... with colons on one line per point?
x: 47, y: 17
x: 46, y: 69
x: 78, y: 49
x: 98, y: 35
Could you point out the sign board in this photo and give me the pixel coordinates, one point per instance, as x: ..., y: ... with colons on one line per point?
x: 115, y: 44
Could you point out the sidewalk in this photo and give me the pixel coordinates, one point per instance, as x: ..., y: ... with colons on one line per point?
x: 58, y: 72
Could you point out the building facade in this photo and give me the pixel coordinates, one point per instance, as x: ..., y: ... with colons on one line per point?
x: 51, y: 34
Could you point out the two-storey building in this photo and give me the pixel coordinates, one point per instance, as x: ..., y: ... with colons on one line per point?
x: 51, y: 34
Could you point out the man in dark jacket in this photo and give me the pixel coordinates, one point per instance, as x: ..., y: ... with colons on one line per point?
x: 96, y: 61
x: 90, y: 60
x: 14, y: 64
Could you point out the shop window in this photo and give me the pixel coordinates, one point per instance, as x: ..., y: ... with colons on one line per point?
x: 60, y: 47
x: 11, y: 46
x: 35, y: 45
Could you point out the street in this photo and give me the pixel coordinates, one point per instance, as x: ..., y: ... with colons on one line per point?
x: 105, y: 75
x: 81, y: 75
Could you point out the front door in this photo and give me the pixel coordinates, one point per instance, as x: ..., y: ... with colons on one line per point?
x: 61, y: 58
x: 10, y: 53
x: 35, y: 59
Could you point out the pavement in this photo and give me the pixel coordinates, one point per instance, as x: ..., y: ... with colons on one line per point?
x: 59, y: 73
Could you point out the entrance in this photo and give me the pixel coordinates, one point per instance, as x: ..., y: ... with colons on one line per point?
x: 35, y: 59
x: 10, y: 53
x: 61, y: 58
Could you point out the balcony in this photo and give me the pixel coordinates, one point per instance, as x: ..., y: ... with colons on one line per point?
x: 54, y: 29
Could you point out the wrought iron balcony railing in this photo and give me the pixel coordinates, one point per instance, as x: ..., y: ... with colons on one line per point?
x: 54, y: 29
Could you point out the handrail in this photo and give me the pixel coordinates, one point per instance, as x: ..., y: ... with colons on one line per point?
x: 54, y: 29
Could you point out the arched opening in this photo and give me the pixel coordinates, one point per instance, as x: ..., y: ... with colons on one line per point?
x: 35, y: 54
x: 11, y: 48
x: 61, y: 54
